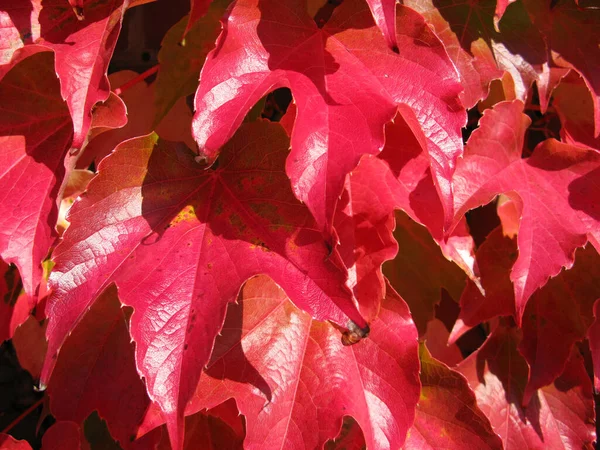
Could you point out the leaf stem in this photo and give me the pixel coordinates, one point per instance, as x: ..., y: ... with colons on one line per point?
x: 23, y: 415
x: 141, y: 77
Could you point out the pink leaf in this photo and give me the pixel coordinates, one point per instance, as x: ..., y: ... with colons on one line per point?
x: 336, y: 73
x: 35, y: 134
x: 179, y: 240
x: 556, y: 188
x: 559, y: 416
x: 298, y: 379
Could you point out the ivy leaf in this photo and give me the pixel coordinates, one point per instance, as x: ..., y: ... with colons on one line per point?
x: 83, y: 46
x: 181, y: 58
x: 64, y: 435
x: 299, y: 380
x: 447, y: 414
x: 96, y: 371
x: 179, y: 240
x: 555, y: 190
x: 336, y: 74
x: 14, y: 307
x: 35, y: 135
x: 559, y: 416
x: 556, y: 317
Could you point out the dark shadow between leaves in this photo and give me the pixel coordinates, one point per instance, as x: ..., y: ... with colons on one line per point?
x: 583, y: 191
x: 228, y: 360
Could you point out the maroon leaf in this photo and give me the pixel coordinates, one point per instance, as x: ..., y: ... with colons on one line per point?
x: 572, y: 33
x: 557, y: 316
x: 495, y: 258
x: 35, y: 134
x: 555, y: 190
x: 64, y: 436
x: 179, y: 240
x: 197, y: 11
x: 558, y: 416
x: 594, y: 340
x: 575, y: 107
x: 30, y: 344
x: 14, y: 307
x: 336, y: 73
x: 298, y: 379
x: 447, y: 414
x: 96, y: 371
x: 221, y: 427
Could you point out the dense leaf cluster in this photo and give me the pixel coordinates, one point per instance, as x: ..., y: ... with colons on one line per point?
x: 342, y: 223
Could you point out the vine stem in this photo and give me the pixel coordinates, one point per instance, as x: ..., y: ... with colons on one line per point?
x: 141, y: 77
x: 23, y: 415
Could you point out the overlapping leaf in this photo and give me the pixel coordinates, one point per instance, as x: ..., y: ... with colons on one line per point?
x: 556, y: 190
x: 96, y: 371
x: 559, y: 416
x: 35, y: 135
x: 179, y: 240
x: 346, y: 83
x: 83, y: 46
x: 297, y: 380
x: 447, y: 415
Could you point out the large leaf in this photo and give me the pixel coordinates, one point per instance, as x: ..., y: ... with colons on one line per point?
x: 35, y: 134
x: 64, y: 435
x: 96, y: 371
x: 557, y: 316
x: 179, y: 240
x: 10, y: 443
x: 559, y: 416
x: 447, y: 414
x: 298, y: 379
x: 336, y: 73
x: 82, y: 45
x: 556, y: 191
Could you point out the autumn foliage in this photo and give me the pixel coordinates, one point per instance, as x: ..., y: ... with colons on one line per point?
x: 309, y: 223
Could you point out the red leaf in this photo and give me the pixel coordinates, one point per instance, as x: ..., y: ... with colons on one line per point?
x: 447, y: 414
x: 336, y: 73
x: 436, y: 339
x: 420, y: 271
x: 384, y: 14
x: 351, y: 437
x: 197, y: 10
x: 594, y: 340
x: 179, y: 240
x: 572, y: 33
x: 14, y: 308
x: 30, y: 344
x: 64, y: 436
x: 495, y: 257
x: 299, y: 380
x: 7, y: 442
x: 554, y: 189
x: 475, y: 60
x: 219, y: 428
x: 556, y: 317
x: 141, y: 102
x: 559, y: 416
x: 96, y: 371
x: 83, y: 45
x: 35, y: 134
x: 575, y: 107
